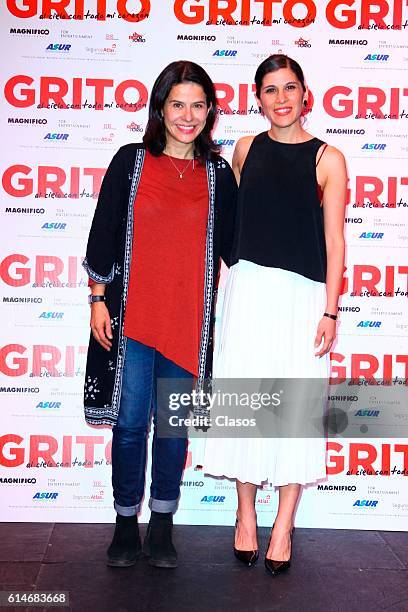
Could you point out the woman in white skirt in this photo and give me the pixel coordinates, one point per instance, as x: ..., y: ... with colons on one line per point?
x: 280, y: 306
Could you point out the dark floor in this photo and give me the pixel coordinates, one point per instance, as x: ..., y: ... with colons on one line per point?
x: 332, y: 570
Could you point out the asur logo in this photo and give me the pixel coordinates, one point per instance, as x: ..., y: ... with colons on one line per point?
x: 51, y: 315
x: 49, y: 405
x: 46, y: 495
x: 367, y: 413
x: 224, y: 142
x: 372, y: 235
x: 376, y: 57
x: 213, y: 499
x: 58, y: 47
x: 54, y: 226
x: 366, y: 503
x: 225, y: 53
x: 56, y: 136
x: 370, y: 146
x: 369, y: 324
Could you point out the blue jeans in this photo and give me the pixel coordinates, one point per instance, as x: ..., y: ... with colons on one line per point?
x: 139, y: 400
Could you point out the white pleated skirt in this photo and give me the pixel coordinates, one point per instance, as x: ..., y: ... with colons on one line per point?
x: 268, y: 329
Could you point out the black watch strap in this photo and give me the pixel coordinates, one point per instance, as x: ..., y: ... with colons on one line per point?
x: 96, y: 298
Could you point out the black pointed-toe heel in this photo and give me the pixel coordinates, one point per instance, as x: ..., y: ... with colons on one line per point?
x: 278, y: 567
x: 247, y: 557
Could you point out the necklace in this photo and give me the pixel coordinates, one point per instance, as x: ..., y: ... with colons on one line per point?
x: 181, y: 172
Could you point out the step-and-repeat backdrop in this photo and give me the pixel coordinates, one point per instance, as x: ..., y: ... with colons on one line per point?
x: 76, y: 77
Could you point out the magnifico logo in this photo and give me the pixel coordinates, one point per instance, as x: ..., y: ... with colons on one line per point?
x: 16, y: 270
x: 367, y: 102
x: 49, y: 181
x: 74, y: 9
x: 46, y: 495
x: 42, y: 360
x: 48, y: 451
x: 53, y: 92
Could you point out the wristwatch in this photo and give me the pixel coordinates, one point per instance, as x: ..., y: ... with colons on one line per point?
x: 96, y: 298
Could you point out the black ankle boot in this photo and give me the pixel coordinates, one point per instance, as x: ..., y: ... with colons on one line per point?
x: 126, y: 546
x: 158, y: 545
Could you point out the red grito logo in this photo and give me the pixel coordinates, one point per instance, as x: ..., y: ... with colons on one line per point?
x: 367, y: 459
x: 364, y: 366
x: 370, y: 281
x: 53, y: 92
x: 52, y: 181
x: 41, y: 360
x: 341, y: 101
x: 74, y: 9
x: 16, y: 270
x: 49, y: 451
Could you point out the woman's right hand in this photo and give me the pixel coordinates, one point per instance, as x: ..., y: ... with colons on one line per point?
x: 101, y: 325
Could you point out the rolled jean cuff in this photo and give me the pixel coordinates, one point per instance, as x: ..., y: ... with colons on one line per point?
x: 126, y: 510
x: 163, y: 505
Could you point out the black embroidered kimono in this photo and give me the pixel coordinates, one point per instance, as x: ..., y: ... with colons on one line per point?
x: 108, y: 258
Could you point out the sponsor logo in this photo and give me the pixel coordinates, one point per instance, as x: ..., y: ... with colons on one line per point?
x: 19, y: 390
x: 12, y: 480
x: 43, y: 358
x: 198, y: 38
x: 343, y: 488
x: 59, y: 47
x: 48, y: 270
x: 347, y: 41
x: 43, y: 450
x: 302, y: 42
x: 27, y: 121
x: 55, y: 93
x: 224, y: 142
x: 51, y: 315
x: 46, y: 495
x: 213, y: 499
x: 49, y: 405
x: 367, y: 503
x: 353, y: 220
x: 102, y: 50
x: 372, y: 235
x: 367, y: 413
x: 349, y: 309
x: 56, y: 136
x: 29, y: 31
x: 343, y: 398
x: 345, y: 131
x: 134, y: 127
x: 264, y: 500
x: 225, y: 53
x: 374, y: 57
x: 25, y: 211
x: 368, y: 367
x: 374, y: 146
x: 137, y: 38
x: 365, y: 102
x: 22, y: 300
x: 54, y: 226
x: 192, y: 483
x: 49, y: 10
x: 369, y: 324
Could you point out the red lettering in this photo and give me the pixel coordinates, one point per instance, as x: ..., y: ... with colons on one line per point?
x: 46, y: 454
x: 19, y: 363
x: 356, y: 461
x: 22, y: 275
x: 16, y: 454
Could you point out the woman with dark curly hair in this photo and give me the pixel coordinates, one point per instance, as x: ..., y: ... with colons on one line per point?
x: 164, y: 219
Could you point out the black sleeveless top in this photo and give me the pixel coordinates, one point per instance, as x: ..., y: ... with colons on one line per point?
x: 280, y: 219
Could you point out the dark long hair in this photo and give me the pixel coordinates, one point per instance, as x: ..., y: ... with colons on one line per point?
x: 276, y: 62
x: 175, y: 73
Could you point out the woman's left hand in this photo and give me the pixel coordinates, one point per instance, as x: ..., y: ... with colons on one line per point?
x: 326, y: 332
